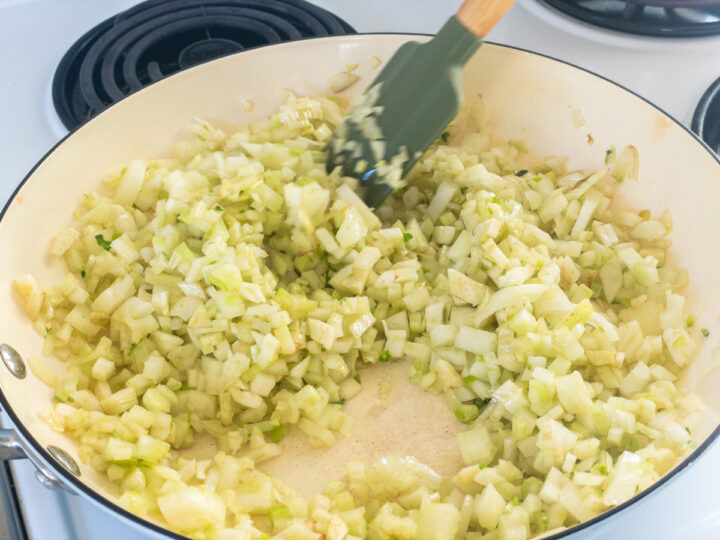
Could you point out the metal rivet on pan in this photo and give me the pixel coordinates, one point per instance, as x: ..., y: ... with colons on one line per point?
x: 46, y: 481
x: 64, y: 459
x: 12, y: 360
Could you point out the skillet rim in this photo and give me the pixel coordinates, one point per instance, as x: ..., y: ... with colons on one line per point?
x: 81, y: 487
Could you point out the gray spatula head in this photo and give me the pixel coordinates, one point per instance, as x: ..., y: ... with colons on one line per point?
x: 405, y: 109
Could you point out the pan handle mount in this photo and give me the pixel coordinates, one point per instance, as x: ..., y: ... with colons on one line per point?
x: 12, y: 447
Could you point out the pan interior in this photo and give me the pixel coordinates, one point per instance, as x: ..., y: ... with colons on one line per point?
x: 526, y: 96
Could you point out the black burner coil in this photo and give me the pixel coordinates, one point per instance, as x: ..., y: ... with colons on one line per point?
x: 157, y: 38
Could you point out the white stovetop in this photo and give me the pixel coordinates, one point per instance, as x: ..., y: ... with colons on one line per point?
x: 34, y: 34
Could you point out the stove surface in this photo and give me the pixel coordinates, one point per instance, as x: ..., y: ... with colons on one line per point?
x: 666, y: 18
x: 34, y: 35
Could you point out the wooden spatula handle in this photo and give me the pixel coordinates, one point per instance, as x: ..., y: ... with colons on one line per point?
x: 479, y: 16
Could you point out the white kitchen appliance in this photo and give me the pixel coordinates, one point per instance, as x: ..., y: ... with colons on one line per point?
x: 673, y: 71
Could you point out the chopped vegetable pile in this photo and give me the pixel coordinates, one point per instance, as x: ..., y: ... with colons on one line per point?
x: 237, y: 290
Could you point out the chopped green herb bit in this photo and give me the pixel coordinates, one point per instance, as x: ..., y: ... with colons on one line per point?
x: 48, y: 330
x: 481, y: 402
x: 277, y: 433
x: 470, y: 379
x: 384, y: 356
x: 481, y: 467
x: 102, y: 242
x: 135, y: 346
x: 463, y: 190
x: 521, y: 172
x: 357, y: 378
x: 407, y: 236
x: 82, y: 273
x: 515, y: 501
x: 445, y: 136
x: 116, y: 235
x: 688, y: 430
x: 705, y: 332
x: 624, y: 302
x: 218, y: 208
x: 338, y: 402
x: 608, y: 152
x: 602, y: 469
x: 544, y: 520
x: 690, y: 322
x: 537, y: 178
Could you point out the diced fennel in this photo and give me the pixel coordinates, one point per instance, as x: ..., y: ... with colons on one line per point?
x: 237, y: 290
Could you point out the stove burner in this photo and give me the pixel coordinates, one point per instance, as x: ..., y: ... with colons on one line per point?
x: 157, y: 38
x: 661, y: 18
x: 706, y: 120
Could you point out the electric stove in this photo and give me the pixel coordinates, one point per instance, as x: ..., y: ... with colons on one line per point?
x: 665, y: 18
x: 65, y: 61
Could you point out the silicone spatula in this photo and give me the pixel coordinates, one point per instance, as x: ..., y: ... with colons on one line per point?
x: 411, y: 102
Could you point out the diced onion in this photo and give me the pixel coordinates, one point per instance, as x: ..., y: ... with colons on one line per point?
x: 236, y: 292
